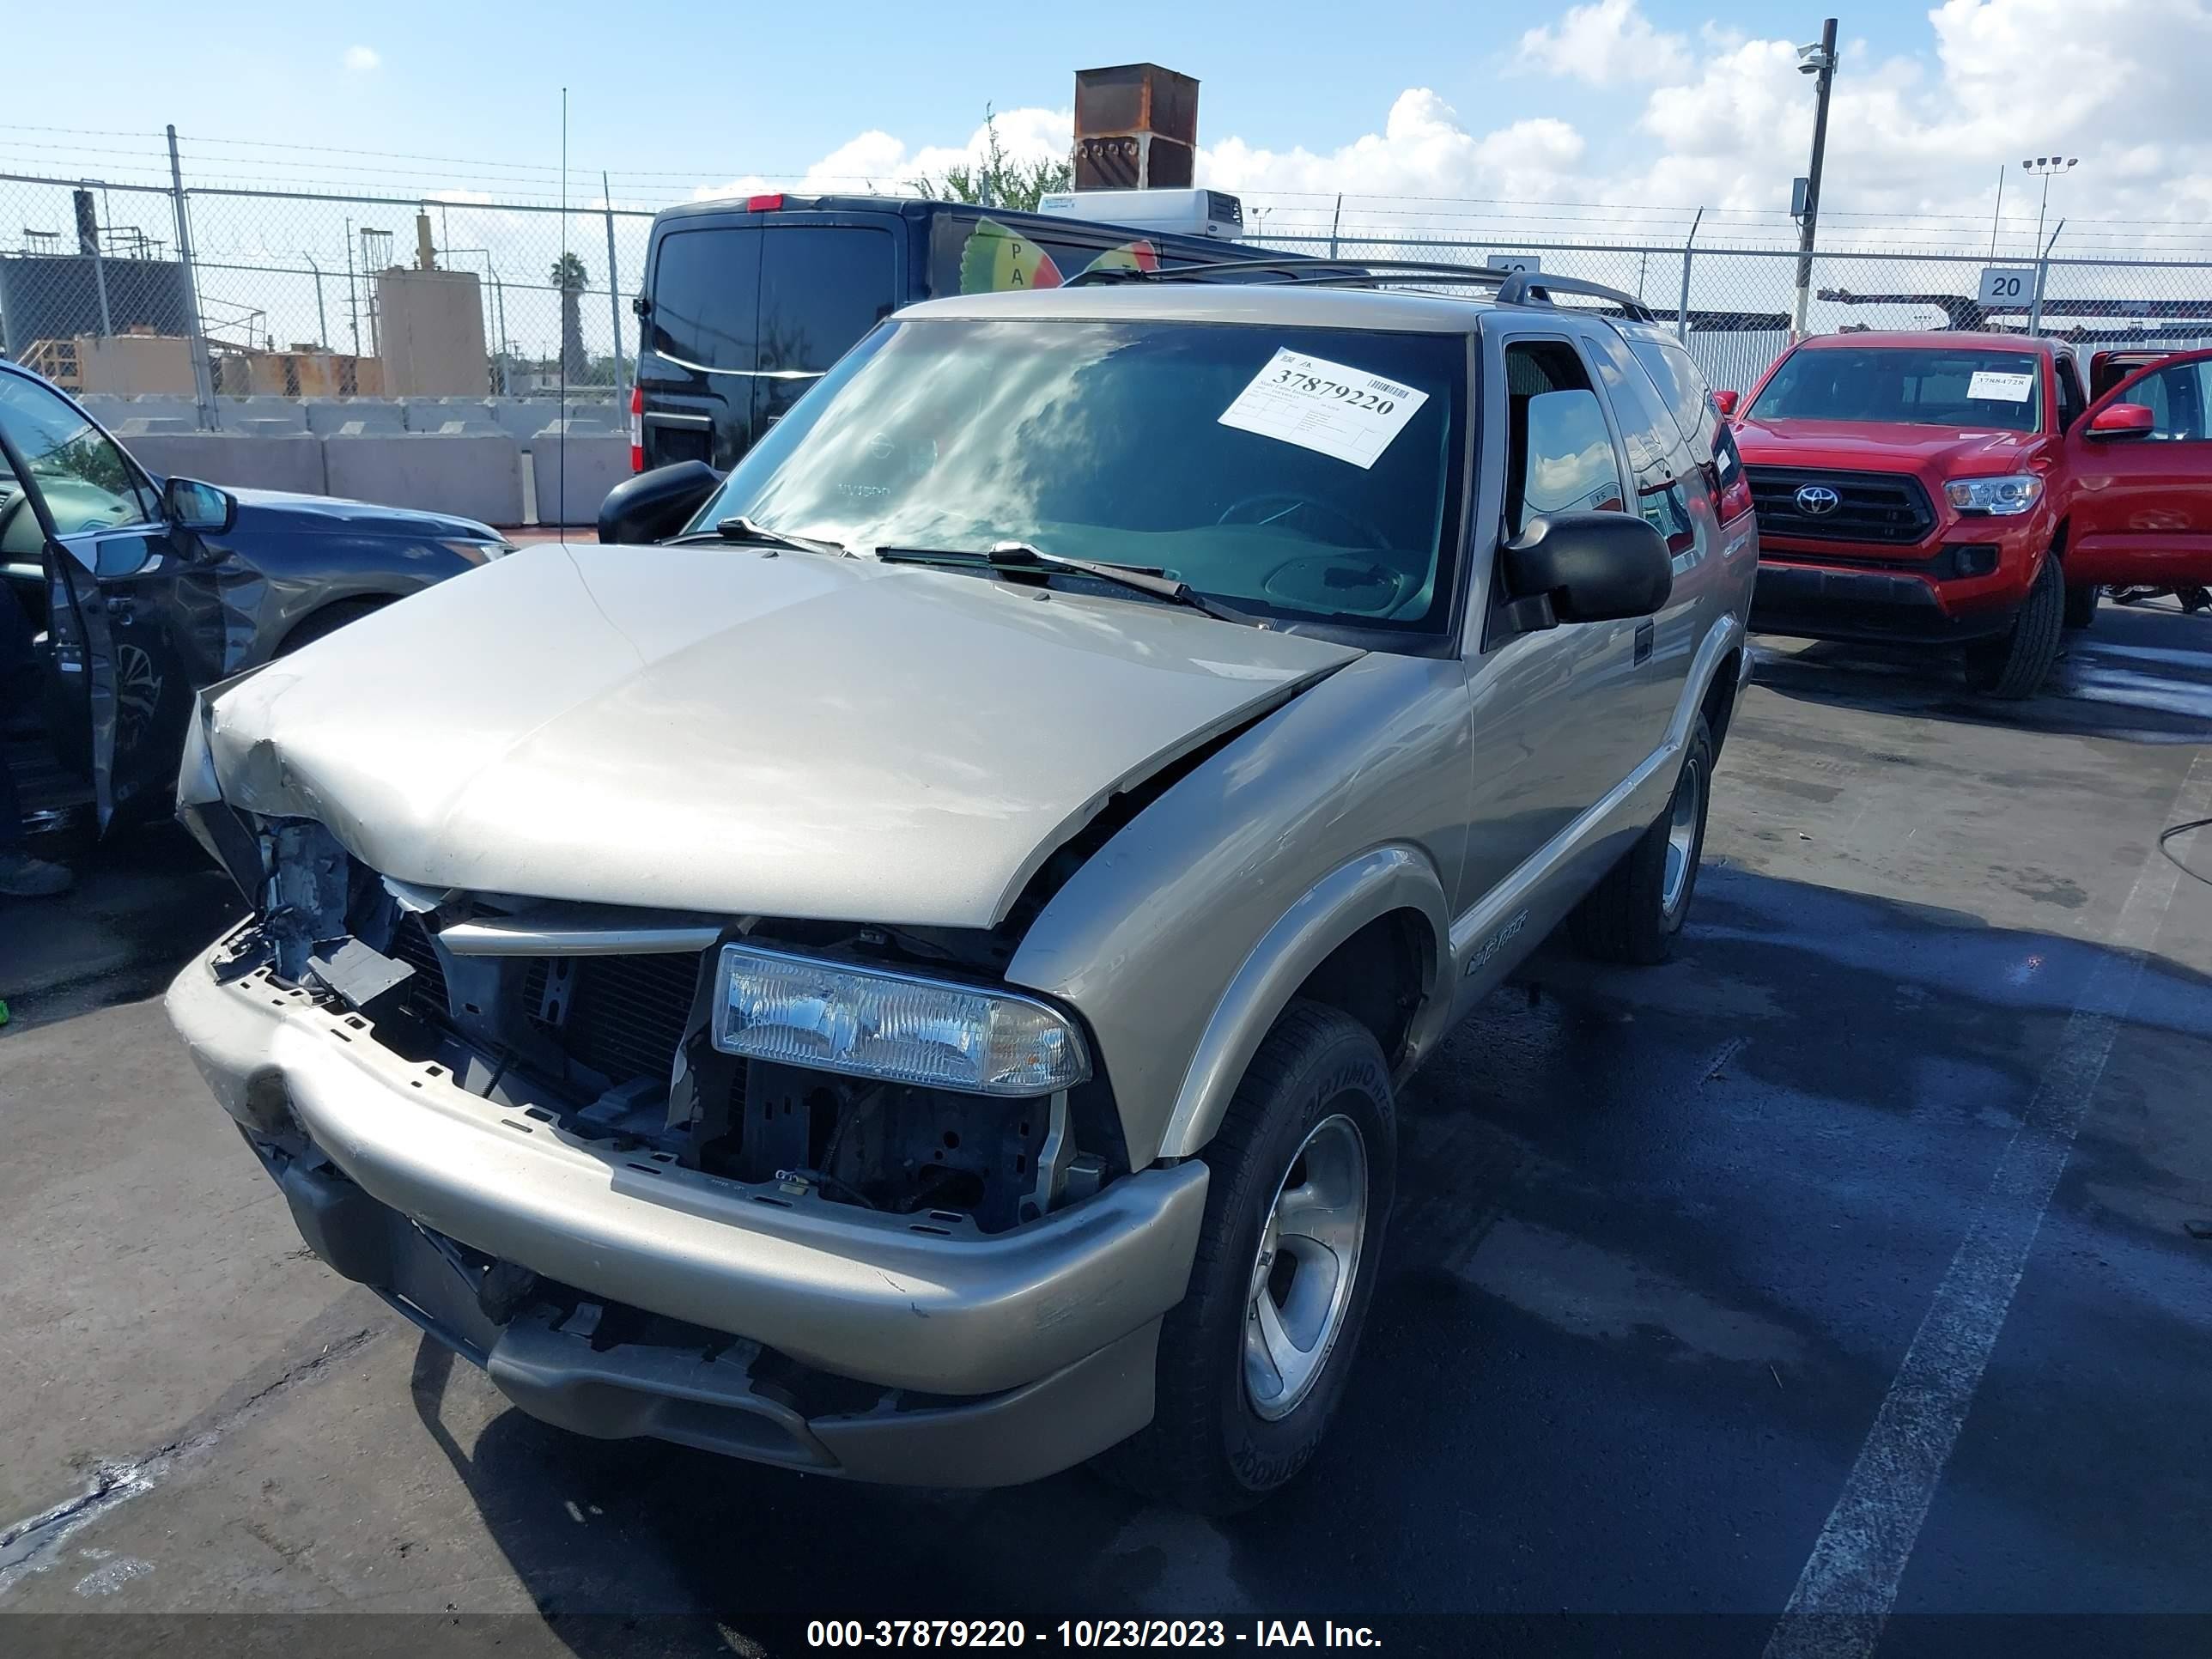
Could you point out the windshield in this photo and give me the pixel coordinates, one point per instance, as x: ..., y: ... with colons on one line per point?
x: 1307, y: 474
x: 1930, y: 387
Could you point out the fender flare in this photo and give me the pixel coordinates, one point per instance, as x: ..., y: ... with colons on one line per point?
x: 1385, y: 879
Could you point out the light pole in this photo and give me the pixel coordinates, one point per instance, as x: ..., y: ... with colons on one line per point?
x: 2046, y: 167
x: 1817, y: 60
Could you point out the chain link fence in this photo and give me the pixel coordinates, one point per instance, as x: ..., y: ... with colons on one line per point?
x: 298, y: 293
x: 104, y: 288
x: 1737, y: 307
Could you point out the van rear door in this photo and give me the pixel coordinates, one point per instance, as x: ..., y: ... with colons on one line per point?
x: 744, y: 314
x: 822, y: 286
x: 701, y: 346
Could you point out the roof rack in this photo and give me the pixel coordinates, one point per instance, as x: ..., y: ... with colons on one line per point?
x: 1515, y: 287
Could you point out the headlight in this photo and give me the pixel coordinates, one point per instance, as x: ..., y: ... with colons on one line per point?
x: 2002, y: 498
x: 836, y: 1017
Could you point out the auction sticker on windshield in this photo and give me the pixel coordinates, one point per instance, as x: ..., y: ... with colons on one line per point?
x: 1323, y: 406
x: 2000, y: 388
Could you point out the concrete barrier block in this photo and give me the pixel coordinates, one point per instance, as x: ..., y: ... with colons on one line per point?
x: 597, y: 462
x: 476, y: 475
x: 330, y: 415
x: 525, y: 417
x: 237, y: 460
x: 139, y: 426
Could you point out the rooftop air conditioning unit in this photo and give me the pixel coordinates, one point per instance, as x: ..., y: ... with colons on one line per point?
x: 1169, y: 212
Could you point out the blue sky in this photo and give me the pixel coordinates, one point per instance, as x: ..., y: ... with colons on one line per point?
x: 725, y: 89
x: 1614, y: 102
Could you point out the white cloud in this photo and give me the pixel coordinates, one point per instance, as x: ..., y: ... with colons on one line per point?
x: 875, y: 160
x: 361, y: 59
x: 1606, y: 43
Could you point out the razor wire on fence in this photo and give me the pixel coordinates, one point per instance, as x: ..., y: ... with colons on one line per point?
x: 133, y: 287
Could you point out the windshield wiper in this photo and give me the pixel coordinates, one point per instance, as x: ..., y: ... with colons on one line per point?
x: 742, y: 529
x: 1035, y: 561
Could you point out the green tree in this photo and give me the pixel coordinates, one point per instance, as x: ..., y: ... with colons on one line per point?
x: 569, y: 276
x: 999, y: 181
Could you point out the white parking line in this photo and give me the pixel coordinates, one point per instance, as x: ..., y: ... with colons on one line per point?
x: 1845, y: 1595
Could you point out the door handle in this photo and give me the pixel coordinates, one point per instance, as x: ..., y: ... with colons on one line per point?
x: 1645, y: 635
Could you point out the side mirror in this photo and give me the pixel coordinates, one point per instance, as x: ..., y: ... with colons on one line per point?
x: 657, y: 503
x: 1726, y: 402
x: 190, y: 505
x: 1586, y: 567
x: 2122, y: 421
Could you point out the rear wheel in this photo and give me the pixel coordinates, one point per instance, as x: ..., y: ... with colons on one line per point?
x: 1633, y: 914
x: 1253, y: 1361
x: 2013, y: 665
x: 2082, y: 603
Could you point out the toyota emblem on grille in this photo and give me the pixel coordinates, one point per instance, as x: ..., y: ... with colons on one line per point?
x: 1817, y: 500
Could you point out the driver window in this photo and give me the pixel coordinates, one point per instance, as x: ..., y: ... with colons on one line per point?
x: 85, y: 480
x: 2177, y: 398
x: 1560, y: 451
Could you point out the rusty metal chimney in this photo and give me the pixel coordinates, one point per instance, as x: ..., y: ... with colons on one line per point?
x: 1136, y: 128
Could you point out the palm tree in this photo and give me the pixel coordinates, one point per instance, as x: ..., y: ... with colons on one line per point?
x: 571, y: 278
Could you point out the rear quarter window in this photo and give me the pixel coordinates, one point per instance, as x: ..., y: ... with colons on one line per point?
x: 1689, y: 399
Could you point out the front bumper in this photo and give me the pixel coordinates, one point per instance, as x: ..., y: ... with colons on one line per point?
x: 1823, y: 603
x: 1047, y: 1329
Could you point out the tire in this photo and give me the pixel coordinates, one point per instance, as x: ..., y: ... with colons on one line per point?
x: 2014, y: 665
x: 1317, y: 1091
x: 1633, y: 914
x: 328, y: 620
x: 2082, y: 603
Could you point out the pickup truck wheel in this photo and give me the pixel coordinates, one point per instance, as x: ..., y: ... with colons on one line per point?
x: 2013, y: 665
x: 1633, y: 914
x: 1253, y: 1361
x: 2082, y: 603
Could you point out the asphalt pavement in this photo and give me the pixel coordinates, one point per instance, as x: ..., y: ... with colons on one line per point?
x: 1845, y: 1261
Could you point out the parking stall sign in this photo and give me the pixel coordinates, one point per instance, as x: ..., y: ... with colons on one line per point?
x: 2002, y: 285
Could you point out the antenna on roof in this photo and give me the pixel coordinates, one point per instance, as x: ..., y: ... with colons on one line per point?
x: 561, y: 503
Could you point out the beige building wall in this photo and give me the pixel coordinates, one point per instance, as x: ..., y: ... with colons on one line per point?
x: 430, y: 335
x: 134, y: 362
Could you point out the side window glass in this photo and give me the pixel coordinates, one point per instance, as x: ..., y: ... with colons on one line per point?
x: 1685, y: 390
x: 1560, y: 457
x: 1656, y: 454
x: 2176, y: 398
x: 79, y: 471
x: 2070, y: 401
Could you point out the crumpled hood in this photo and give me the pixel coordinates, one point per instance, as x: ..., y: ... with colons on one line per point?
x: 712, y: 729
x: 1934, y: 451
x: 280, y: 510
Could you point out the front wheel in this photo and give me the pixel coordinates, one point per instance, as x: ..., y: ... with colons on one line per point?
x: 2082, y: 603
x: 1253, y: 1361
x: 2014, y: 664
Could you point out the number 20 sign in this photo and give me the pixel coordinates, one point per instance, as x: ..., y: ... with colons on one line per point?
x: 2001, y: 287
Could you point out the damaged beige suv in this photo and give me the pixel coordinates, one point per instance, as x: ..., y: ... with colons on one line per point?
x: 908, y: 975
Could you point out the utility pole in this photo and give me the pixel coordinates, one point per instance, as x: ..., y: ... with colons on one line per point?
x: 1820, y: 60
x: 203, y: 374
x: 1997, y: 215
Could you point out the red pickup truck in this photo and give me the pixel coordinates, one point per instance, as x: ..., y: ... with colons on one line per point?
x: 1962, y: 487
